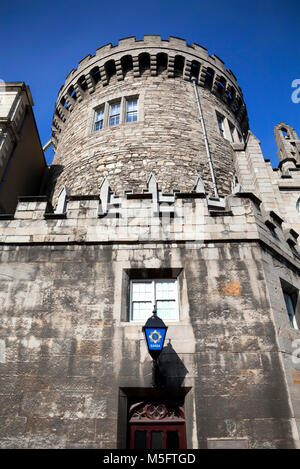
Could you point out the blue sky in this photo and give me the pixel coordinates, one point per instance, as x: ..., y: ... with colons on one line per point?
x: 259, y: 40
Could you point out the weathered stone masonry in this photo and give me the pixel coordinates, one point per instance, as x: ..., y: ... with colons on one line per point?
x: 134, y: 201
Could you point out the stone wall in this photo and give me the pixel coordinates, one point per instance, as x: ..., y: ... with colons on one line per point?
x: 68, y: 353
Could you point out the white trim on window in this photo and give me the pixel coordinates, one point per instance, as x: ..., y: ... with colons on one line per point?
x: 166, y: 314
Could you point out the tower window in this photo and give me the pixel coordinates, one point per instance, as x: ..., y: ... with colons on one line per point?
x: 298, y: 206
x: 221, y: 124
x: 132, y: 110
x: 114, y: 113
x: 99, y: 119
x: 290, y: 306
x: 145, y: 294
x: 232, y: 129
x: 291, y: 295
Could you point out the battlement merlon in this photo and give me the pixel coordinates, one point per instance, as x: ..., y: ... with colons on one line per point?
x: 152, y: 45
x: 189, y: 218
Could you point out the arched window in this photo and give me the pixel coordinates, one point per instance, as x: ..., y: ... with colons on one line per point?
x: 209, y: 78
x: 162, y: 62
x: 221, y: 84
x: 231, y: 94
x: 285, y: 133
x: 298, y: 205
x: 195, y: 69
x: 127, y: 64
x: 110, y: 69
x: 144, y: 62
x: 238, y: 105
x: 178, y: 66
x: 63, y: 102
x: 72, y: 92
x: 82, y: 83
x: 95, y: 74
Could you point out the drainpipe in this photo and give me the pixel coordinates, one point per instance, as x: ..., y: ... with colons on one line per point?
x: 209, y: 160
x: 47, y: 145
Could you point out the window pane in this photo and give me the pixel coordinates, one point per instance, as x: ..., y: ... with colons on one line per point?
x: 131, y: 110
x: 99, y: 125
x: 290, y: 310
x: 132, y: 105
x: 172, y: 440
x: 165, y: 290
x: 141, y: 310
x: 157, y: 440
x: 114, y: 114
x: 99, y: 114
x: 131, y: 117
x: 99, y: 119
x: 142, y: 291
x: 140, y: 439
x: 167, y: 309
x: 114, y: 109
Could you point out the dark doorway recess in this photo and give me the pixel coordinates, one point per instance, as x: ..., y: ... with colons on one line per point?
x: 152, y: 418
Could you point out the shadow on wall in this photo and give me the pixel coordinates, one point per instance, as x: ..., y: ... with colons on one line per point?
x: 52, y: 174
x: 171, y: 371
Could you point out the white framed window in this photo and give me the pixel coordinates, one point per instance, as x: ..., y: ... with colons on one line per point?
x: 144, y: 294
x: 232, y: 131
x: 99, y: 118
x: 220, y: 120
x: 114, y: 113
x: 131, y: 110
x: 291, y: 310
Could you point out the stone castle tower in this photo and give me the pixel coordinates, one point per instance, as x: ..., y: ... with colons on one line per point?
x: 165, y: 139
x: 158, y: 196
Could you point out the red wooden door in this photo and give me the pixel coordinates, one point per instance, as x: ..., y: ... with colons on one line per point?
x: 157, y: 426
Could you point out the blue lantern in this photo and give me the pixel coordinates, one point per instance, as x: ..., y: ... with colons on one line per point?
x: 155, y: 332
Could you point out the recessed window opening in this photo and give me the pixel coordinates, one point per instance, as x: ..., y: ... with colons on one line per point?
x: 291, y: 298
x: 131, y: 110
x: 178, y: 66
x: 110, y: 69
x: 232, y: 131
x: 64, y: 103
x: 231, y: 94
x: 195, y: 69
x: 162, y: 62
x: 220, y: 120
x: 145, y: 294
x: 82, y: 83
x: 221, y: 83
x: 72, y: 92
x: 127, y: 64
x: 285, y: 133
x: 114, y: 113
x: 95, y: 74
x: 99, y: 118
x: 209, y: 78
x: 237, y: 106
x: 57, y: 114
x: 144, y: 62
x: 290, y: 306
x: 298, y: 206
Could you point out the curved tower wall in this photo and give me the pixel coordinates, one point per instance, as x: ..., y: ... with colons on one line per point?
x: 167, y: 139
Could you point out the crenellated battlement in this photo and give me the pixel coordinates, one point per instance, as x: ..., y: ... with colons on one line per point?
x: 175, y: 56
x: 149, y: 216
